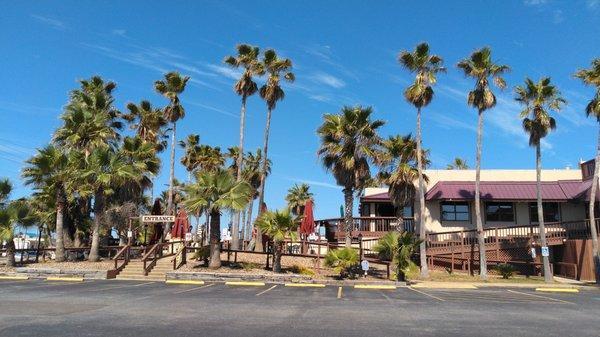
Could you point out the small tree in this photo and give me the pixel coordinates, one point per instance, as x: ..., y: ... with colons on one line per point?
x: 398, y: 248
x: 343, y: 261
x: 278, y: 225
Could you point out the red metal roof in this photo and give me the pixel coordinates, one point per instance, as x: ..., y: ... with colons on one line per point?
x: 504, y: 190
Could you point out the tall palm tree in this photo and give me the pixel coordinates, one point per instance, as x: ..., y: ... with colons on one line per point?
x: 591, y: 76
x: 348, y: 143
x: 171, y: 87
x: 48, y: 171
x: 148, y: 122
x: 12, y: 214
x: 278, y: 225
x: 297, y: 197
x: 191, y: 147
x: 538, y: 100
x: 398, y: 162
x: 426, y: 66
x: 217, y: 191
x: 458, y: 164
x: 481, y: 67
x: 271, y: 92
x: 247, y: 58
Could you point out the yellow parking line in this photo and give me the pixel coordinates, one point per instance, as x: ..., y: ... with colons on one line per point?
x: 305, y: 285
x: 375, y: 287
x: 243, y: 283
x: 14, y: 278
x: 65, y: 279
x: 195, y: 282
x: 558, y: 290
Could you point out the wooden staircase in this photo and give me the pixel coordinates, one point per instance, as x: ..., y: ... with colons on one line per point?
x: 134, y: 270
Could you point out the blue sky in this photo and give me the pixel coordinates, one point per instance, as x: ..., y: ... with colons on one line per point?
x: 343, y: 53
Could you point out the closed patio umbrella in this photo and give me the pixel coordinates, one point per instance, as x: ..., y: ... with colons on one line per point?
x: 308, y: 221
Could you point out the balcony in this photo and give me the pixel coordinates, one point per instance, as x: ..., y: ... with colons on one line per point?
x: 368, y: 227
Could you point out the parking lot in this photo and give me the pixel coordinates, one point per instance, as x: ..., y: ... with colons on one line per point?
x: 136, y: 308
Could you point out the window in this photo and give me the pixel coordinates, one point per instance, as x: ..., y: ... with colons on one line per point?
x: 551, y: 212
x: 455, y: 211
x: 499, y: 211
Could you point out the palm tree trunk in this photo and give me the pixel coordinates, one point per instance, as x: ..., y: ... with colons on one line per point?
x: 349, y: 222
x: 206, y: 239
x: 263, y: 170
x: 215, y: 239
x: 98, y: 209
x: 171, y: 180
x: 243, y: 227
x: 480, y: 237
x: 277, y: 257
x: 10, y: 252
x: 239, y: 162
x: 593, y: 232
x: 540, y: 210
x: 60, y: 246
x: 422, y: 232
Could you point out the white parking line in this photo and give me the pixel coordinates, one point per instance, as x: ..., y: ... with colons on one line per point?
x: 540, y: 296
x: 426, y: 294
x: 123, y: 286
x: 193, y: 289
x: 264, y: 291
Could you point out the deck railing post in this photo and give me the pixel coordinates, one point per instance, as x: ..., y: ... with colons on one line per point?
x: 497, y: 245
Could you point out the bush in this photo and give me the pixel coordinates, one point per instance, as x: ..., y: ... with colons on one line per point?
x: 506, y: 270
x: 343, y: 261
x: 386, y: 246
x: 202, y: 254
x: 296, y: 269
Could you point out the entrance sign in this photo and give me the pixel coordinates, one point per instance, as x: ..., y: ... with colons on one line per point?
x: 545, y: 251
x: 157, y: 218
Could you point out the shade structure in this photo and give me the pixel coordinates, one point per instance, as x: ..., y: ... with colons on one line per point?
x: 308, y: 221
x: 181, y: 226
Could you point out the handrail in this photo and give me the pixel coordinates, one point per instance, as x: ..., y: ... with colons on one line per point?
x: 125, y: 253
x: 156, y: 252
x: 183, y: 253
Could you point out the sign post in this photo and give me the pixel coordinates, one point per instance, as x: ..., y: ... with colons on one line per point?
x: 364, y: 265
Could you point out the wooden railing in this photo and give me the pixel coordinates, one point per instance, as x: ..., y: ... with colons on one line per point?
x: 157, y: 251
x: 123, y: 255
x: 181, y: 255
x: 366, y: 225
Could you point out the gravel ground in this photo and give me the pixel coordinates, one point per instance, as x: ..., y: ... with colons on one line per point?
x: 80, y: 265
x: 5, y: 269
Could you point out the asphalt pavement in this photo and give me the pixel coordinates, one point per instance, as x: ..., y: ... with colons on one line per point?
x: 148, y: 309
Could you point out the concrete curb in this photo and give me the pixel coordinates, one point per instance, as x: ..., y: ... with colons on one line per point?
x: 476, y: 285
x: 43, y: 273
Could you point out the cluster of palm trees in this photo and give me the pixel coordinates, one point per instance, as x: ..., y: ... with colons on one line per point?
x: 350, y: 140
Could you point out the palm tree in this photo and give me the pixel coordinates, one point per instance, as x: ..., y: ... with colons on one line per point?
x: 191, y: 147
x: 247, y: 58
x: 171, y: 87
x: 278, y: 225
x: 591, y: 76
x: 426, y: 66
x: 348, y: 142
x: 16, y: 212
x: 217, y: 191
x: 458, y: 164
x: 297, y: 197
x: 48, y: 171
x: 481, y: 67
x: 397, y: 160
x: 538, y: 99
x: 148, y: 122
x: 98, y: 176
x: 271, y: 92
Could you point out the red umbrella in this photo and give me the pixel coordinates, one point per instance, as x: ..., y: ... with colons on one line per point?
x: 308, y: 222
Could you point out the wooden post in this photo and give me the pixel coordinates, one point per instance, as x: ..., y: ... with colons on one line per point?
x: 452, y: 252
x: 497, y: 245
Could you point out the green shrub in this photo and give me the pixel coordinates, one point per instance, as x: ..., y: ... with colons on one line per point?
x: 296, y: 269
x: 386, y: 246
x: 506, y: 270
x: 343, y: 261
x: 202, y: 254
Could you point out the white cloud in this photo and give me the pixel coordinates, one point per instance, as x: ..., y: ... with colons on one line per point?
x: 119, y: 32
x: 327, y: 79
x: 557, y: 16
x: 535, y: 2
x: 314, y: 182
x: 209, y: 107
x: 593, y: 4
x: 228, y: 72
x: 54, y: 23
